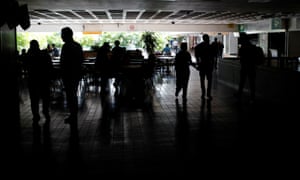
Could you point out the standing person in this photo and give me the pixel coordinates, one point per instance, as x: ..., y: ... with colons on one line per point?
x: 175, y: 45
x: 205, y: 59
x: 71, y: 60
x: 183, y: 60
x: 248, y: 54
x: 221, y: 48
x: 39, y: 67
x: 103, y: 65
x: 215, y: 47
x: 118, y: 54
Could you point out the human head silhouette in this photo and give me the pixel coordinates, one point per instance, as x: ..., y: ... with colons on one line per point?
x: 117, y: 43
x: 183, y: 46
x: 205, y: 38
x: 34, y: 45
x: 66, y: 34
x: 243, y: 39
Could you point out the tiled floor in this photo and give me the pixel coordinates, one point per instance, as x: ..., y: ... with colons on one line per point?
x: 162, y: 137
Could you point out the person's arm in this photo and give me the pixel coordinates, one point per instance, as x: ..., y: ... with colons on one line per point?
x: 197, y: 56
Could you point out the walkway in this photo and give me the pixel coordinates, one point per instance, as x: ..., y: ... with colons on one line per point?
x: 163, y: 137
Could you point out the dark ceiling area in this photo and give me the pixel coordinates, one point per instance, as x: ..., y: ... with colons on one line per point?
x: 160, y: 11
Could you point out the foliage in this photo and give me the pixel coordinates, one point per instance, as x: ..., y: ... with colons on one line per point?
x: 126, y: 39
x: 54, y: 38
x: 86, y: 41
x: 130, y: 40
x: 23, y: 39
x: 150, y: 41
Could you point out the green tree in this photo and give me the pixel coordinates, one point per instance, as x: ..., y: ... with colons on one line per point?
x: 22, y: 41
x: 87, y: 42
x: 54, y: 38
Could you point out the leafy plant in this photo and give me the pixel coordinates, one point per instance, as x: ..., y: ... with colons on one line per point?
x: 150, y: 41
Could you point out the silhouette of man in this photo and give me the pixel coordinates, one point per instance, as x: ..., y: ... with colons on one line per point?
x: 71, y: 60
x: 118, y: 54
x: 247, y: 54
x: 103, y: 65
x: 216, y: 50
x: 39, y: 67
x: 204, y: 54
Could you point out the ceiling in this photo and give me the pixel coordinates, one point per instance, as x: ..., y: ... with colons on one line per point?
x: 159, y: 11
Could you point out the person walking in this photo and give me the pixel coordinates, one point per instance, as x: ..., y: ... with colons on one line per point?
x: 103, y: 66
x: 71, y: 60
x: 249, y: 55
x: 118, y: 54
x: 215, y: 47
x: 204, y: 54
x: 183, y: 60
x: 39, y: 67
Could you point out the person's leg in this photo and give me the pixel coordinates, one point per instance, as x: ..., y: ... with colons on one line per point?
x: 202, y: 84
x: 209, y: 84
x: 179, y: 81
x: 46, y: 103
x: 252, y: 76
x: 71, y: 94
x: 243, y: 76
x: 216, y: 62
x: 185, y: 85
x: 104, y: 82
x: 34, y: 102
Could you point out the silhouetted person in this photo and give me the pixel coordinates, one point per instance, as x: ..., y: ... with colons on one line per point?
x: 118, y: 54
x: 215, y: 50
x: 221, y: 49
x: 71, y: 60
x: 205, y: 59
x: 248, y: 55
x: 23, y: 55
x: 216, y: 46
x: 103, y: 65
x: 148, y: 70
x: 39, y: 67
x: 183, y: 60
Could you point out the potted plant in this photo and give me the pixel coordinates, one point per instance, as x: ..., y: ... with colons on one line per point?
x: 150, y: 42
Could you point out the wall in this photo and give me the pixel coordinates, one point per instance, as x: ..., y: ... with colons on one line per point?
x: 231, y: 44
x: 294, y: 43
x: 9, y: 110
